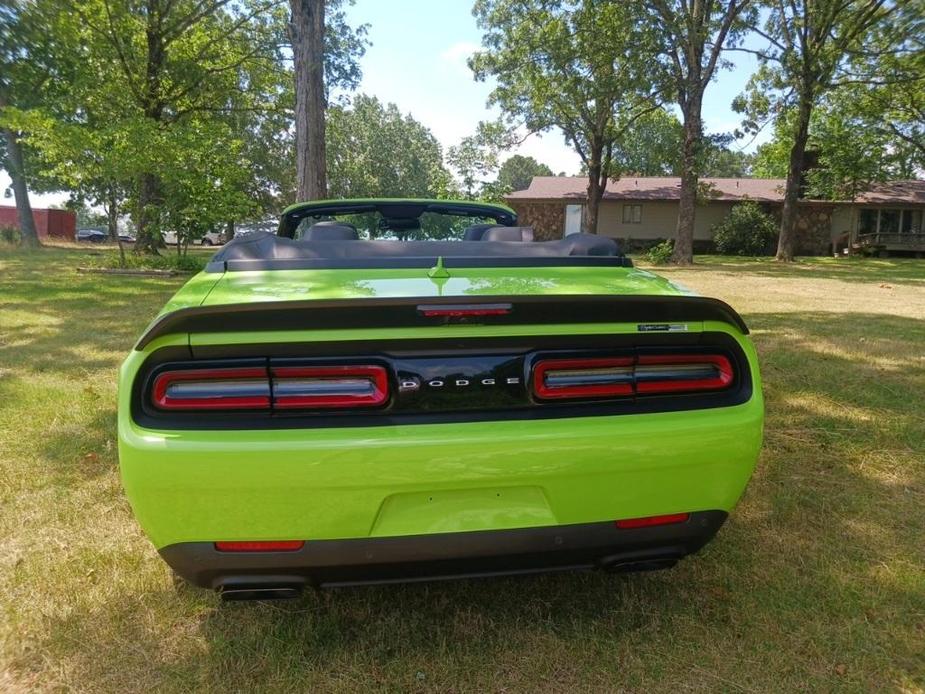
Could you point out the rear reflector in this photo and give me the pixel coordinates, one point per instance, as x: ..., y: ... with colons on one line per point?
x: 650, y: 521
x: 326, y: 387
x: 626, y: 376
x: 465, y: 310
x: 261, y: 546
x: 212, y: 389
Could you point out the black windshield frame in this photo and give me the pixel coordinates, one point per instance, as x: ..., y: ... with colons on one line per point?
x: 393, y: 209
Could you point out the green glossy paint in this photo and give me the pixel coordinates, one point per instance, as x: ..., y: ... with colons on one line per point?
x: 188, y: 486
x: 301, y: 285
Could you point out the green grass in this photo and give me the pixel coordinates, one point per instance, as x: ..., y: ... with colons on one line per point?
x: 817, y: 582
x: 106, y: 255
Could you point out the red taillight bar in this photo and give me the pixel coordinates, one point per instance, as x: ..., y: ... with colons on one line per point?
x: 212, y: 389
x: 257, y: 388
x: 590, y: 378
x: 624, y: 376
x: 679, y: 373
x: 464, y: 310
x: 326, y: 387
x: 651, y: 521
x: 261, y: 546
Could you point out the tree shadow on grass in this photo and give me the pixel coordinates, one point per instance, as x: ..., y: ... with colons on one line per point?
x: 814, y: 583
x: 76, y: 329
x: 901, y: 270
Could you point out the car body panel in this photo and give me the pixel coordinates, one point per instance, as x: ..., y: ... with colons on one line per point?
x: 339, y: 483
x: 292, y: 285
x: 386, y: 479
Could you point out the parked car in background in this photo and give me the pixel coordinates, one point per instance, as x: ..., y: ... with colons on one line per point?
x: 91, y: 236
x: 268, y: 225
x: 211, y: 238
x: 126, y: 238
x: 317, y: 408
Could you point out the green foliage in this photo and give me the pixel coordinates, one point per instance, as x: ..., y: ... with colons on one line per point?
x: 717, y: 160
x: 374, y: 150
x: 9, y: 235
x: 651, y: 146
x: 772, y: 158
x: 853, y: 146
x: 801, y: 71
x: 799, y: 67
x: 746, y: 230
x: 88, y: 218
x: 565, y: 65
x: 179, y: 111
x: 660, y: 253
x: 518, y: 171
x: 344, y: 46
x: 186, y: 262
x: 477, y: 157
x: 578, y: 66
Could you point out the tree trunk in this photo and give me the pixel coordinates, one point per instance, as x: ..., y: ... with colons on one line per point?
x: 112, y: 213
x: 683, y: 253
x: 307, y: 35
x: 148, y: 239
x: 595, y: 193
x: 788, y: 217
x: 16, y: 169
x: 112, y: 221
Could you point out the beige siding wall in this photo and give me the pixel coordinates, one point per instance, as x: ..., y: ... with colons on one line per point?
x: 659, y: 220
x: 843, y: 221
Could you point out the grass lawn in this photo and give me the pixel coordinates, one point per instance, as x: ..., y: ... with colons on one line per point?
x: 817, y: 582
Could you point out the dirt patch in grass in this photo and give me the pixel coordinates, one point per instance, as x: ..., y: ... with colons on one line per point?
x: 817, y: 582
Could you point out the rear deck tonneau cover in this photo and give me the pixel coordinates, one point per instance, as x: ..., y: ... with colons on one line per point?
x: 263, y: 251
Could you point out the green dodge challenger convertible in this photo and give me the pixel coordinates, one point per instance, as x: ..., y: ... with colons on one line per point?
x: 341, y: 403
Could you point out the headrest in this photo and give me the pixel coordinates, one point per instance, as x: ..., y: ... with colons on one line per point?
x: 497, y: 233
x: 331, y: 231
x: 476, y: 231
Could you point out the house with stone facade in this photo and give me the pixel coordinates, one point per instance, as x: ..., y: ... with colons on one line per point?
x: 640, y: 211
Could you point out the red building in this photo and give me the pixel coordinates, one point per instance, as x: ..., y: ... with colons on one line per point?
x: 59, y: 224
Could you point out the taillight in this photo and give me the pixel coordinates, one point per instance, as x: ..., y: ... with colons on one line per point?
x: 212, y: 389
x: 326, y: 387
x: 626, y: 376
x: 283, y: 388
x: 583, y: 378
x: 683, y: 373
x: 261, y: 546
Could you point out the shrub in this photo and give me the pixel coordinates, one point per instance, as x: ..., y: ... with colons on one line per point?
x: 166, y: 261
x: 746, y: 230
x: 9, y: 235
x: 660, y: 253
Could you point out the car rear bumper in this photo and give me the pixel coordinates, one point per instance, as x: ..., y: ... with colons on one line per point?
x: 189, y: 487
x: 441, y: 555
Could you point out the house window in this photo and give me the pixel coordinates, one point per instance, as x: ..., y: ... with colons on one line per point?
x: 889, y: 221
x: 867, y: 223
x: 632, y: 214
x: 912, y: 222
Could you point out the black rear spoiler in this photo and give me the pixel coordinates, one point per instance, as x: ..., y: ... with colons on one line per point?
x: 653, y: 313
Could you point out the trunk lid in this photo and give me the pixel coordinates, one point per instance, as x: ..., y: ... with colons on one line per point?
x: 305, y: 285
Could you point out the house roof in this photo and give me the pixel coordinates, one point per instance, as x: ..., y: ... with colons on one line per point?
x: 650, y: 188
x: 905, y: 192
x: 566, y: 188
